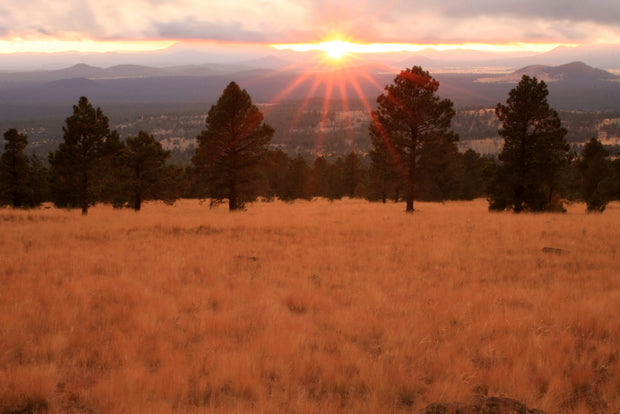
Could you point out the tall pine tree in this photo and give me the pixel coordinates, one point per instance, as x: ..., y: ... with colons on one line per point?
x: 534, y: 150
x: 596, y: 176
x: 409, y: 116
x: 230, y: 160
x: 15, y: 172
x: 142, y: 170
x: 81, y: 167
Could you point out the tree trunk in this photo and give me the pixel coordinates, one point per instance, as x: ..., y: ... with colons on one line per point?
x: 413, y: 159
x: 411, y: 184
x: 409, y: 208
x: 232, y: 198
x: 84, y: 193
x: 137, y: 203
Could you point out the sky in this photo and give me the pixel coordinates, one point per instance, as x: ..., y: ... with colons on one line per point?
x: 136, y: 25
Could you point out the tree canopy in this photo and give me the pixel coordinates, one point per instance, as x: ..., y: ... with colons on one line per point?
x: 231, y: 155
x: 80, y: 166
x: 534, y: 151
x: 597, y: 178
x: 16, y: 172
x: 409, y: 117
x: 142, y: 169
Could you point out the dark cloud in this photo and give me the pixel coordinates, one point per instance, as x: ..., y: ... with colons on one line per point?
x: 44, y: 31
x: 570, y: 32
x: 605, y: 12
x: 284, y: 21
x: 193, y: 29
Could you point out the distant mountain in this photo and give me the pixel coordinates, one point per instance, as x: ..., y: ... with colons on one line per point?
x: 603, y: 56
x: 571, y: 72
x: 573, y: 86
x: 267, y: 62
x: 135, y: 83
x: 80, y: 71
x: 265, y: 57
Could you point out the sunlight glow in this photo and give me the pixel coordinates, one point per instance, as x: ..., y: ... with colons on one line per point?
x: 339, y: 48
x: 19, y: 45
x: 333, y: 83
x: 335, y: 49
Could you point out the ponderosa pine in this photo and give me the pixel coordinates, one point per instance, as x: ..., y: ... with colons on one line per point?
x: 409, y: 116
x: 230, y: 161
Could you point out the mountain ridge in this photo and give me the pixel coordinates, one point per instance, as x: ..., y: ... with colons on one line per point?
x: 193, y: 53
x: 573, y: 86
x: 569, y: 72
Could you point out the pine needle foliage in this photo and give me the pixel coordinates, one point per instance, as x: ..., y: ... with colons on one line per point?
x: 409, y: 117
x: 230, y: 160
x: 81, y: 166
x: 534, y: 151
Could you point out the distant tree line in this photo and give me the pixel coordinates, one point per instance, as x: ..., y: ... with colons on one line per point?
x: 413, y: 156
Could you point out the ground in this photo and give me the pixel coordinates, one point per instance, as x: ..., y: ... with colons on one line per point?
x: 309, y: 307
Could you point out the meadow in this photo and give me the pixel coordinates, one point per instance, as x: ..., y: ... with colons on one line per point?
x: 310, y: 307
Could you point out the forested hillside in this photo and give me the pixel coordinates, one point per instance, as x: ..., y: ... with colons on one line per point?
x: 315, y: 126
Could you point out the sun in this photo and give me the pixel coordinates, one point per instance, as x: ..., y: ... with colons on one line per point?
x: 335, y: 49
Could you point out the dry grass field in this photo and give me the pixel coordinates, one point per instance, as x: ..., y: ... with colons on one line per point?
x: 311, y: 307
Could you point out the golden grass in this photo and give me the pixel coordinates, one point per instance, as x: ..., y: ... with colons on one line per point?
x: 308, y: 308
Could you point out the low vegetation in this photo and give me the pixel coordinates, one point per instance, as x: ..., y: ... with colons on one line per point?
x: 312, y: 307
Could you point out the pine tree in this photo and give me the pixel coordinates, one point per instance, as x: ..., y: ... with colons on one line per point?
x: 352, y: 175
x: 143, y: 168
x: 277, y: 168
x: 438, y: 168
x: 297, y: 180
x: 38, y: 181
x: 231, y: 154
x: 318, y: 185
x: 596, y: 181
x: 472, y: 175
x: 408, y: 117
x: 81, y: 167
x: 534, y: 150
x: 15, y: 172
x: 385, y: 175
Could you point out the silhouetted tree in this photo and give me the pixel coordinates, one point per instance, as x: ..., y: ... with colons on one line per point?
x: 15, y: 172
x: 352, y: 175
x: 336, y: 187
x: 615, y: 168
x: 142, y: 170
x: 319, y: 178
x: 296, y: 181
x: 596, y: 182
x: 230, y: 158
x: 277, y: 169
x: 38, y: 181
x: 534, y: 152
x: 472, y: 182
x: 81, y: 166
x: 408, y: 117
x: 171, y: 185
x: 385, y: 179
x: 438, y: 168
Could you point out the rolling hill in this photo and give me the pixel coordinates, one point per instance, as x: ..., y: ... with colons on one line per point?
x: 573, y: 86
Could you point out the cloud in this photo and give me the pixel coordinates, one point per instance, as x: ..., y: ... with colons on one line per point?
x: 193, y: 29
x: 603, y: 12
x: 282, y: 21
